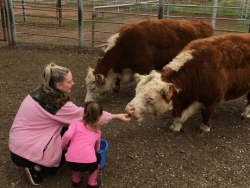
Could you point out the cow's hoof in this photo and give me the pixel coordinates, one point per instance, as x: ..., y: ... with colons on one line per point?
x: 244, y: 116
x: 203, y: 129
x: 174, y: 132
x: 200, y: 132
x: 116, y: 90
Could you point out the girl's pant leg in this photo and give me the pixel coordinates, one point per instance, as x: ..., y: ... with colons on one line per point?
x: 93, y: 176
x: 76, y: 176
x: 93, y: 173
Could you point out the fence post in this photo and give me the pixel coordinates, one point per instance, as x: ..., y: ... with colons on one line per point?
x: 93, y: 22
x: 7, y: 17
x: 166, y: 9
x: 24, y: 11
x: 12, y: 22
x: 214, y: 13
x: 59, y: 10
x: 160, y: 13
x: 80, y: 23
x: 3, y: 22
x: 246, y: 13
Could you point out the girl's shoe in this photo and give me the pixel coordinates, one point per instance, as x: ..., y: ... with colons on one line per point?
x: 95, y: 186
x: 74, y: 184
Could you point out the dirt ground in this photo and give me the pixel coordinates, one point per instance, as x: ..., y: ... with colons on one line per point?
x: 139, y: 155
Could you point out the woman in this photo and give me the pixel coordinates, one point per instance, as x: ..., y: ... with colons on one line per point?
x: 35, y: 135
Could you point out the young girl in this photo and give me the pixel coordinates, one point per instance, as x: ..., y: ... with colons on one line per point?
x: 83, y: 139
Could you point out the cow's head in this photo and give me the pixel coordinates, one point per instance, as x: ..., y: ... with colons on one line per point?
x: 96, y: 86
x: 153, y: 96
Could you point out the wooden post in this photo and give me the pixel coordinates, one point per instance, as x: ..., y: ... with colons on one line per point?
x: 93, y: 22
x: 59, y: 10
x: 12, y: 22
x: 249, y: 28
x: 3, y: 22
x: 161, y: 5
x: 214, y: 13
x: 206, y: 6
x: 166, y: 9
x: 7, y: 17
x: 24, y: 11
x: 80, y: 23
x: 246, y: 13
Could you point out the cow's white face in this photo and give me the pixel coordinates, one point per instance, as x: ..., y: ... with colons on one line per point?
x: 96, y: 86
x: 153, y: 96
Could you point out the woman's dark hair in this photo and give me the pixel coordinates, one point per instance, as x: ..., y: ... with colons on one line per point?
x: 92, y: 113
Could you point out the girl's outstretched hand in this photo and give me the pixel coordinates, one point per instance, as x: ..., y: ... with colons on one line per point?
x: 122, y: 117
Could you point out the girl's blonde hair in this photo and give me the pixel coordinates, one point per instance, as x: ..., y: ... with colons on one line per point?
x: 92, y: 113
x: 51, y: 75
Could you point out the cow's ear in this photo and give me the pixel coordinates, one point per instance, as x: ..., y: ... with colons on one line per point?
x: 90, y: 70
x: 155, y: 73
x: 137, y: 77
x: 169, y: 90
x: 101, y: 79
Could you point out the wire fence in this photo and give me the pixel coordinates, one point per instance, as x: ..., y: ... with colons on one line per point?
x: 57, y: 21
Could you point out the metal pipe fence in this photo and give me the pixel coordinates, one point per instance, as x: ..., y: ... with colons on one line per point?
x: 90, y: 23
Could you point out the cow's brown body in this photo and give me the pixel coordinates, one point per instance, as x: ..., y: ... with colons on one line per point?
x: 147, y: 45
x: 204, y: 74
x: 150, y: 44
x: 219, y: 71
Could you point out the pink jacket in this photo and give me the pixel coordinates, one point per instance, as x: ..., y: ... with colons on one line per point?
x: 34, y: 130
x: 83, y: 141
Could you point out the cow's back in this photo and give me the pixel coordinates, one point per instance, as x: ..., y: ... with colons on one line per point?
x: 163, y: 39
x: 151, y: 44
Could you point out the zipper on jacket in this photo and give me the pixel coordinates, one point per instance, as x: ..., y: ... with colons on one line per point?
x: 44, y: 149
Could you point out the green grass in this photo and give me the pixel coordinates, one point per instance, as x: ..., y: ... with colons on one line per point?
x: 241, y: 27
x: 196, y: 10
x: 152, y: 8
x: 220, y: 11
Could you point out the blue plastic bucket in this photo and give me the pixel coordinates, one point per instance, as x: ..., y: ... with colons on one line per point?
x: 103, y: 148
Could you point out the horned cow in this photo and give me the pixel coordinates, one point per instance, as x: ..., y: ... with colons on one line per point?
x: 204, y: 74
x: 140, y: 48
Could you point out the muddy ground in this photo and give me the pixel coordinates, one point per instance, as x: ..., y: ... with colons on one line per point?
x: 140, y: 155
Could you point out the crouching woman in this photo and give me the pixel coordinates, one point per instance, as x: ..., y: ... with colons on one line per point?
x: 35, y: 135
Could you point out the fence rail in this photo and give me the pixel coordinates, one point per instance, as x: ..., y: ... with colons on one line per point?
x: 90, y: 23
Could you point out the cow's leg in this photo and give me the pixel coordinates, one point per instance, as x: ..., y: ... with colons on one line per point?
x: 117, y: 85
x: 176, y: 126
x: 246, y: 114
x: 180, y: 116
x: 206, y: 114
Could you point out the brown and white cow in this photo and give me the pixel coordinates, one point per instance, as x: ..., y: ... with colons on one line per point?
x: 204, y: 74
x: 140, y: 48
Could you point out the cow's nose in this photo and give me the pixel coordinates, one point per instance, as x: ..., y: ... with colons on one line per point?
x: 130, y: 109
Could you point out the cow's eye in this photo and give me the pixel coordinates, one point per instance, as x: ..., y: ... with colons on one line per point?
x: 151, y: 98
x: 93, y: 88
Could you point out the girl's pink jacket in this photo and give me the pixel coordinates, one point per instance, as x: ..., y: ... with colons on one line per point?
x: 35, y: 133
x: 84, y: 142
